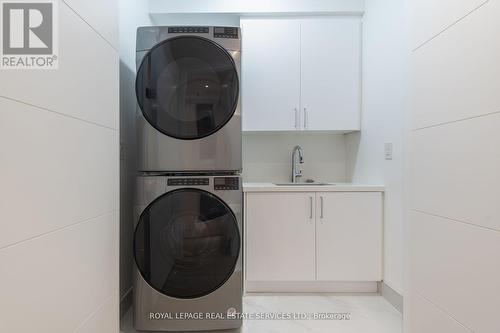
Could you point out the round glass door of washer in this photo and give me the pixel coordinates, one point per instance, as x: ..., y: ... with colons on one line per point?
x: 186, y: 243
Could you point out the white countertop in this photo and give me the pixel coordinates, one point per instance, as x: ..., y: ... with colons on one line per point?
x: 335, y: 187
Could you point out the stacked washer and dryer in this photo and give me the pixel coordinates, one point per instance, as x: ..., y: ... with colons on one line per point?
x: 188, y: 225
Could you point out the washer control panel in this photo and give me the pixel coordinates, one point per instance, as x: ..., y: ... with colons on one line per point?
x: 226, y: 183
x: 187, y: 181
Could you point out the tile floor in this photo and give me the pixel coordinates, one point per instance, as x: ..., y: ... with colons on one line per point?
x: 368, y: 314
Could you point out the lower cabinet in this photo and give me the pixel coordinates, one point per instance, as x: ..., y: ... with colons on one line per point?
x: 313, y: 237
x: 349, y: 236
x: 280, y: 236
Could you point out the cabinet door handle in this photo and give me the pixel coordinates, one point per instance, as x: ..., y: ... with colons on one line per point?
x: 321, y: 199
x: 296, y: 116
x: 306, y: 119
x: 310, y: 208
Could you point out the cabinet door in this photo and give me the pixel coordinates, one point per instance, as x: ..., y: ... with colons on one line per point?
x: 280, y: 232
x: 270, y: 74
x: 349, y: 236
x: 331, y: 73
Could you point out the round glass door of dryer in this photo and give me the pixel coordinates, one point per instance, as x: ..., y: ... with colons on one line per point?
x: 187, y: 243
x: 187, y: 87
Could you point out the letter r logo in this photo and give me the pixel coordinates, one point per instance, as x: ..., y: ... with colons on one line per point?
x: 27, y: 28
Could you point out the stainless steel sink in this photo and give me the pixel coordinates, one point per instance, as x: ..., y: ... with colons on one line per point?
x: 302, y: 184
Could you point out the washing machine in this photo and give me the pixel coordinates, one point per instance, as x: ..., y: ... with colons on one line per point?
x: 188, y: 249
x: 188, y: 96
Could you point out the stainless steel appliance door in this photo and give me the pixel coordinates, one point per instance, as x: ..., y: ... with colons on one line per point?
x: 187, y: 243
x: 187, y: 87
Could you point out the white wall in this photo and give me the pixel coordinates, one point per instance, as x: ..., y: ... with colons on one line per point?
x: 197, y: 19
x: 454, y: 132
x: 267, y: 156
x: 255, y: 6
x: 59, y: 175
x: 384, y: 66
x: 133, y: 13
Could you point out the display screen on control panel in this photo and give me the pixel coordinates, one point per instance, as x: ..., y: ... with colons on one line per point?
x: 225, y: 32
x: 226, y: 183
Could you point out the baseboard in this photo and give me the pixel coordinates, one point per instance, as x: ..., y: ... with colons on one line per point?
x: 391, y: 296
x: 309, y: 287
x: 125, y: 302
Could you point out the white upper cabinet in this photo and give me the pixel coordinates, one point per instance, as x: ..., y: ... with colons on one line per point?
x: 331, y: 73
x: 270, y: 75
x: 301, y: 74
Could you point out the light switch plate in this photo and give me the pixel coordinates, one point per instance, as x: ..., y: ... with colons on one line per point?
x: 388, y: 150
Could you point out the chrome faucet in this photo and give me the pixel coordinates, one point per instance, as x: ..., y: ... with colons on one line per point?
x: 297, y: 174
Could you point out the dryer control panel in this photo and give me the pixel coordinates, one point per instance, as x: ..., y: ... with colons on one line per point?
x: 188, y: 30
x: 226, y: 183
